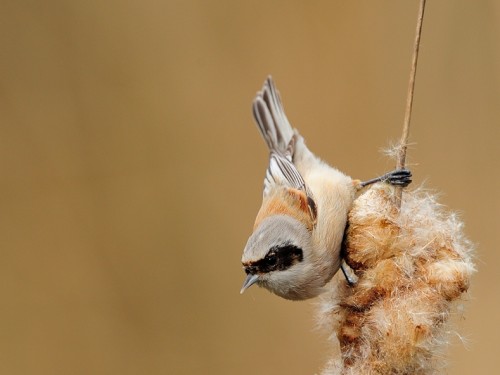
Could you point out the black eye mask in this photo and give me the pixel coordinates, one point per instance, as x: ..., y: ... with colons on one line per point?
x: 278, y: 258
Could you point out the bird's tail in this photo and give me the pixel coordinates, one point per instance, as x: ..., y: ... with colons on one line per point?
x: 271, y: 119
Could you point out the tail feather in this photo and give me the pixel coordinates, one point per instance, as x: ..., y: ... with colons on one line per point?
x: 280, y: 138
x: 271, y: 119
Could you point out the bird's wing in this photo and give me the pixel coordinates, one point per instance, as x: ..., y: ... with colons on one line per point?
x: 281, y: 171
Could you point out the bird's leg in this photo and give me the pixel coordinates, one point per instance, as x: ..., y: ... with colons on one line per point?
x: 348, y: 274
x: 398, y: 177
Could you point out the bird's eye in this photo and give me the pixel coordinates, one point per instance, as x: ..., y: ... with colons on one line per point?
x: 271, y: 259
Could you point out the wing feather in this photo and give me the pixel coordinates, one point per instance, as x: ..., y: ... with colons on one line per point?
x: 282, y: 171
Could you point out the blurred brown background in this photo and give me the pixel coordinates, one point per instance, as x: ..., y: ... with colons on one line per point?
x: 132, y: 169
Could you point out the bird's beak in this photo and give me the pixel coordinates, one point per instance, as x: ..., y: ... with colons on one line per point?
x: 249, y: 281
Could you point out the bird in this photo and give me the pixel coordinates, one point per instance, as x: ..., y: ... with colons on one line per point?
x: 295, y: 247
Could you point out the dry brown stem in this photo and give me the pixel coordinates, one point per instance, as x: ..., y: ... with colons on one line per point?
x: 403, y: 144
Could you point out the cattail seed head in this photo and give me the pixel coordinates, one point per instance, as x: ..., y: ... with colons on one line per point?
x: 412, y: 263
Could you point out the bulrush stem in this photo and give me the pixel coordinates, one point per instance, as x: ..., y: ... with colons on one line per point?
x: 401, y: 155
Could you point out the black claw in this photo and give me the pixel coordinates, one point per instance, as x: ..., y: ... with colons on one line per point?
x: 398, y: 177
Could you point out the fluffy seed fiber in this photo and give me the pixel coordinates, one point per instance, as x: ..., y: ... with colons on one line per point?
x: 412, y: 264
